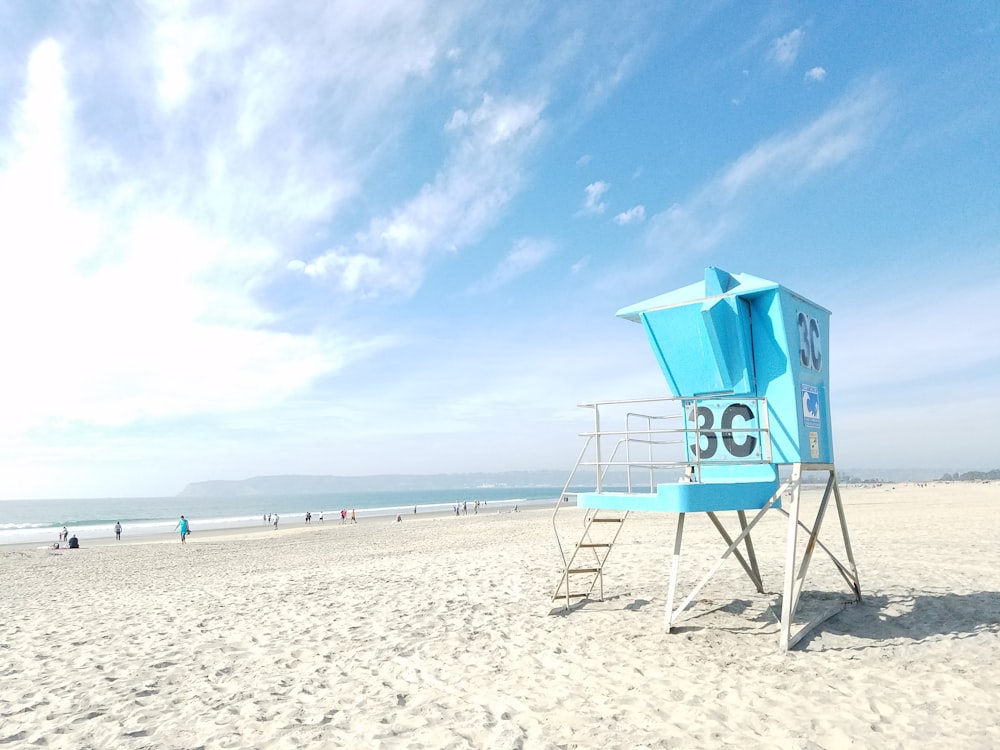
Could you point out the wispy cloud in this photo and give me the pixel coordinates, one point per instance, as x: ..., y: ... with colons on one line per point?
x: 779, y: 163
x: 143, y: 310
x: 635, y: 215
x: 592, y: 203
x: 834, y: 136
x: 785, y: 49
x: 817, y: 74
x: 526, y: 254
x: 157, y: 196
x: 485, y: 170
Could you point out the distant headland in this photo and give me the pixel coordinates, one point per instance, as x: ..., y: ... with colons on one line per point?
x: 296, y: 484
x: 300, y: 484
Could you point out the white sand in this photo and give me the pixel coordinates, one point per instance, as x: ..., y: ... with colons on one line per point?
x: 437, y: 633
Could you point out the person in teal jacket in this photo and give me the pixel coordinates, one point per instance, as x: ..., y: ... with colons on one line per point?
x: 182, y: 525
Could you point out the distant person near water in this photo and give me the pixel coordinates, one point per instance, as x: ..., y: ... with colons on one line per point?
x: 309, y: 516
x: 64, y: 535
x: 343, y: 515
x: 118, y: 530
x: 353, y: 519
x: 184, y: 528
x: 74, y: 542
x: 275, y: 520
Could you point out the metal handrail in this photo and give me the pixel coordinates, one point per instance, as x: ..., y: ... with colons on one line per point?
x: 652, y: 438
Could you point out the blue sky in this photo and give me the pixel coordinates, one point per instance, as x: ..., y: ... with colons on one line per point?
x: 359, y: 238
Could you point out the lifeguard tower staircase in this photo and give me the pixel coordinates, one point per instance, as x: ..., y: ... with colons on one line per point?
x: 748, y: 363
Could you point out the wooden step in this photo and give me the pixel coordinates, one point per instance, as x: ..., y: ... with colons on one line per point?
x: 606, y: 520
x: 584, y: 570
x: 570, y: 596
x: 590, y: 544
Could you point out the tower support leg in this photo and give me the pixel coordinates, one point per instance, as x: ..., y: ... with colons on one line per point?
x: 796, y: 568
x: 794, y: 579
x: 675, y: 564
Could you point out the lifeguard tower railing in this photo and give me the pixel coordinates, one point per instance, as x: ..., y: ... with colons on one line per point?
x: 660, y: 436
x: 637, y: 444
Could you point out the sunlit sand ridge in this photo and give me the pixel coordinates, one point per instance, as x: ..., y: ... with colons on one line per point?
x: 437, y: 633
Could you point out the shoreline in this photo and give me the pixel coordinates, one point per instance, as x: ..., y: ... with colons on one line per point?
x: 258, y: 531
x: 40, y: 523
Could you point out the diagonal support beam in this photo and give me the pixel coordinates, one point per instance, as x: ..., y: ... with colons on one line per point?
x: 749, y: 567
x: 672, y: 616
x: 794, y: 580
x: 796, y: 569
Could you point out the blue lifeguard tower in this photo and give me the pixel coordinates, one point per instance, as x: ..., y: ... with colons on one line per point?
x: 747, y: 362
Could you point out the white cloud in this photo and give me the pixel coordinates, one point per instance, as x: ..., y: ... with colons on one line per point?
x: 271, y: 56
x: 174, y: 209
x: 838, y: 133
x: 180, y: 43
x: 817, y: 74
x: 483, y: 172
x: 592, y: 203
x: 526, y: 254
x: 778, y: 163
x: 114, y: 314
x: 784, y: 50
x: 635, y: 215
x: 41, y: 124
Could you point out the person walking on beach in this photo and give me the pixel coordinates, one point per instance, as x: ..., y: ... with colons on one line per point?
x: 343, y: 515
x: 118, y: 530
x: 64, y: 536
x: 353, y: 519
x: 276, y: 521
x: 184, y: 528
x: 309, y: 516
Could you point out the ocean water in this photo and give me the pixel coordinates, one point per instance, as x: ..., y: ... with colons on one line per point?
x: 30, y: 521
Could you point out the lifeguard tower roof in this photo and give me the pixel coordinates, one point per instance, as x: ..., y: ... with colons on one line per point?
x: 717, y: 283
x: 737, y: 336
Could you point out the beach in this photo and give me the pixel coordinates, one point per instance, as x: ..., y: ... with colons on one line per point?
x: 440, y: 632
